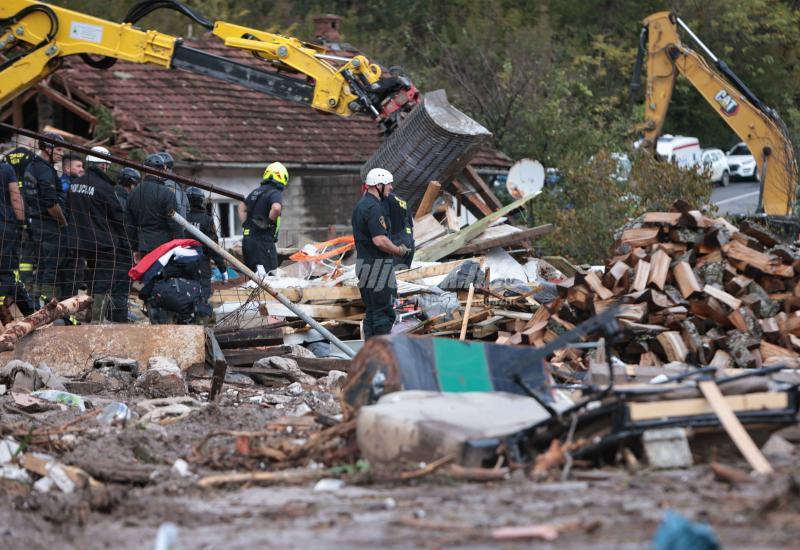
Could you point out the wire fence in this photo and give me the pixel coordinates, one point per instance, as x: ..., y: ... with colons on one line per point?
x: 72, y: 226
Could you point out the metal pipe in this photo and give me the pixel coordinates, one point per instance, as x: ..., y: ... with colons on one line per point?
x: 203, y: 238
x: 124, y: 162
x: 697, y: 40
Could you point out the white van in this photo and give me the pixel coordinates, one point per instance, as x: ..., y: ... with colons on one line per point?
x: 682, y: 150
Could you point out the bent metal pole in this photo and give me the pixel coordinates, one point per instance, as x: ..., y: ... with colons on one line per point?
x: 203, y: 238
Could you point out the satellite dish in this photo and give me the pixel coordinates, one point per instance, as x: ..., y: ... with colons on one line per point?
x: 526, y: 177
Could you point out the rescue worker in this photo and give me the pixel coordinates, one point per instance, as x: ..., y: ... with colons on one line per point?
x: 401, y: 221
x: 129, y: 178
x: 374, y: 253
x: 148, y: 209
x: 70, y: 267
x: 174, y: 186
x: 71, y: 169
x: 12, y: 219
x: 19, y: 158
x: 261, y: 212
x: 97, y: 228
x: 46, y: 220
x: 199, y: 218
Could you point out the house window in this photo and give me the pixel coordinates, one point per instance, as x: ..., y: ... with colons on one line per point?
x: 228, y: 219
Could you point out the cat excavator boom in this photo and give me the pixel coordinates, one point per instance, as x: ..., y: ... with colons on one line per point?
x: 756, y: 124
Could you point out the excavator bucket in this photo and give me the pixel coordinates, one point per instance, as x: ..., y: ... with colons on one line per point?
x: 434, y: 142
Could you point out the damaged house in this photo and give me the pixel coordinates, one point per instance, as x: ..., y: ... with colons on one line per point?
x: 223, y: 134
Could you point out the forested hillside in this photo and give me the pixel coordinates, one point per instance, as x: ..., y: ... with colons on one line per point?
x: 547, y: 77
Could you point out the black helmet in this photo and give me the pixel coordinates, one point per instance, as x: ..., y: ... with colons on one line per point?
x: 155, y: 160
x: 196, y: 197
x: 129, y: 176
x: 53, y: 136
x: 169, y: 162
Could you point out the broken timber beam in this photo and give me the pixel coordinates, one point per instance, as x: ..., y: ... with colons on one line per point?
x: 480, y: 186
x: 474, y: 204
x: 449, y: 244
x: 506, y: 240
x: 15, y: 331
x: 432, y: 193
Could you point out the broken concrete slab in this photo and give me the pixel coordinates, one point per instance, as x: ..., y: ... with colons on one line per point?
x: 72, y: 351
x: 163, y: 378
x: 426, y: 426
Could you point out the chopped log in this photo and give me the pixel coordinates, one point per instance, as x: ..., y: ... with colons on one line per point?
x: 673, y: 345
x: 662, y: 218
x: 641, y: 276
x: 687, y: 282
x: 722, y: 296
x: 710, y: 258
x: 721, y: 360
x: 770, y: 328
x: 759, y: 232
x: 426, y: 204
x: 758, y: 260
x: 794, y: 341
x: 616, y: 275
x: 641, y: 236
x: 579, y: 296
x: 593, y: 281
x: 738, y: 285
x: 771, y: 351
x: 53, y: 310
x: 659, y: 269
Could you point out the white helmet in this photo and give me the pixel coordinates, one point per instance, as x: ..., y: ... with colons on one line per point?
x: 377, y: 176
x: 103, y: 151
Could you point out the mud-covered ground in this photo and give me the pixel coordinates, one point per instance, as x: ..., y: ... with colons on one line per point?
x: 140, y: 491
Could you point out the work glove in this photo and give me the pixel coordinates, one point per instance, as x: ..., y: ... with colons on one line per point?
x: 403, y: 250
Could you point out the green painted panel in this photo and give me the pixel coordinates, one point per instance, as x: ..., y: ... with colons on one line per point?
x: 461, y: 366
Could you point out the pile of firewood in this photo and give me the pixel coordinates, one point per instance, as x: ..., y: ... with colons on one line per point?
x: 690, y: 289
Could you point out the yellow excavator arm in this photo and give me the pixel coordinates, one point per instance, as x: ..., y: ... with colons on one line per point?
x: 756, y: 124
x: 35, y: 37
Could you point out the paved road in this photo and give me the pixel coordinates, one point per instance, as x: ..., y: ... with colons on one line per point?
x: 737, y: 198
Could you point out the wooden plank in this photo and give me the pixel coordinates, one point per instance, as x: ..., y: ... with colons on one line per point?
x: 506, y: 240
x: 426, y: 229
x: 722, y: 296
x: 426, y: 204
x: 697, y: 406
x: 487, y: 327
x: 435, y: 270
x: 480, y: 186
x: 250, y: 337
x: 449, y: 244
x: 467, y: 308
x: 218, y: 362
x: 734, y: 427
x: 687, y: 282
x: 563, y: 265
x: 316, y: 293
x: 771, y: 351
x: 471, y: 200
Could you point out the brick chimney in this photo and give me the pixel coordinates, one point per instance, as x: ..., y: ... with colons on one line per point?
x: 326, y: 28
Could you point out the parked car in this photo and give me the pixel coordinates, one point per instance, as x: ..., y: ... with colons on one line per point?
x: 716, y: 163
x: 741, y: 163
x: 682, y: 150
